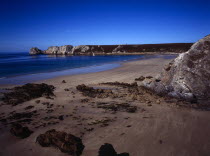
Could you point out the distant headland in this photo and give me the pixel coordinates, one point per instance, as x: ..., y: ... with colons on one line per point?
x: 112, y: 49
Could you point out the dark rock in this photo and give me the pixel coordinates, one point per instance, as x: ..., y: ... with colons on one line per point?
x: 66, y: 89
x: 38, y: 101
x: 121, y: 84
x: 124, y: 107
x: 66, y: 143
x: 35, y: 51
x: 149, y: 77
x: 187, y: 77
x: 20, y: 131
x: 91, y: 92
x: 123, y: 154
x: 131, y: 109
x: 50, y: 110
x: 90, y: 129
x: 61, y: 117
x: 63, y: 81
x: 3, y: 120
x: 17, y: 116
x: 29, y: 107
x: 46, y: 103
x: 85, y: 100
x: 108, y: 150
x: 141, y: 78
x: 27, y: 92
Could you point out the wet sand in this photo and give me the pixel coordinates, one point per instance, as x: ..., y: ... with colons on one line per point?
x: 158, y: 127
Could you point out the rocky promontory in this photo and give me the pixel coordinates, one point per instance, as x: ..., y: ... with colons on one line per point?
x: 112, y: 49
x: 35, y: 51
x: 187, y: 76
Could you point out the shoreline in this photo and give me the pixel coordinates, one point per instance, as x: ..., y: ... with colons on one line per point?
x: 36, y: 77
x: 115, y: 72
x: 113, y: 54
x: 156, y: 122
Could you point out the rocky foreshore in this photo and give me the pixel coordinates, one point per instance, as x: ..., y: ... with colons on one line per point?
x: 112, y: 49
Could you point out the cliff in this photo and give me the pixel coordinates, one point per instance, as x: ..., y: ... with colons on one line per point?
x: 113, y: 49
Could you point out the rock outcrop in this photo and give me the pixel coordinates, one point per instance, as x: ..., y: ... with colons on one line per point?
x: 20, y: 131
x: 67, y: 49
x: 62, y: 50
x: 35, y: 51
x: 66, y: 143
x: 108, y: 150
x: 52, y: 50
x: 81, y: 49
x: 91, y: 92
x: 119, y: 49
x: 27, y: 92
x: 188, y: 76
x: 85, y: 49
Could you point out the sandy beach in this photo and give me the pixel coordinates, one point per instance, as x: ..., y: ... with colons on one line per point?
x: 158, y: 127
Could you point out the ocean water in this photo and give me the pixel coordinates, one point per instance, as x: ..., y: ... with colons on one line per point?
x: 20, y: 68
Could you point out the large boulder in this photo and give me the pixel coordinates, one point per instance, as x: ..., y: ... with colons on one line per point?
x: 35, y: 51
x: 108, y: 150
x: 67, y: 143
x: 20, y: 131
x: 188, y: 76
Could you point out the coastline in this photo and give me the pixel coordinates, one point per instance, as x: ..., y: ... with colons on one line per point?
x: 127, y: 72
x: 36, y: 77
x: 155, y: 126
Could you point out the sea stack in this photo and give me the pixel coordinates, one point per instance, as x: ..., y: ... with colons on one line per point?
x: 35, y: 51
x: 186, y: 77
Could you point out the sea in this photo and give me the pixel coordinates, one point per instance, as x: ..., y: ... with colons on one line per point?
x: 20, y: 67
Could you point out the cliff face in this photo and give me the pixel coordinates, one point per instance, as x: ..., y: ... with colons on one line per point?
x: 86, y: 49
x: 62, y: 50
x: 80, y: 49
x: 104, y: 49
x: 188, y: 75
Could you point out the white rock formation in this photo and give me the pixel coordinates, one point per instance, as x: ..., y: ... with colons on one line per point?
x: 187, y: 76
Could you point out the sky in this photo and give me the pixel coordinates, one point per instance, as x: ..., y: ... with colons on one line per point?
x: 43, y: 23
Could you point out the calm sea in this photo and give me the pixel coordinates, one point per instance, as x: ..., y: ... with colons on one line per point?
x: 21, y: 67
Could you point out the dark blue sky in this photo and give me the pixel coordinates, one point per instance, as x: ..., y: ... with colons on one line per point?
x: 43, y: 23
